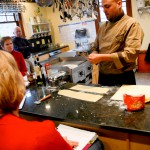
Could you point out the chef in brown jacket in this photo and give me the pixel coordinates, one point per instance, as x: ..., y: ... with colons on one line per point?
x: 116, y: 46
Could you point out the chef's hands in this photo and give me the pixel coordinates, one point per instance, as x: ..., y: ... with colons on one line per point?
x: 71, y: 143
x: 94, y: 58
x: 97, y: 58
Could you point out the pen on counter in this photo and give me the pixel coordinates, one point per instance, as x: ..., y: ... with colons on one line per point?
x: 45, y: 97
x: 42, y: 99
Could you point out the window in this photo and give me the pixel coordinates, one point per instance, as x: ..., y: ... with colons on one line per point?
x: 8, y: 22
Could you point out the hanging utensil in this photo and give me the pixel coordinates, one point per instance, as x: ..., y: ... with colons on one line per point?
x: 56, y: 3
x: 54, y: 6
x: 44, y: 3
x: 69, y: 15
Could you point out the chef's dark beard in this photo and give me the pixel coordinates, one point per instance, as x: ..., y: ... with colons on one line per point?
x: 112, y: 19
x: 115, y: 19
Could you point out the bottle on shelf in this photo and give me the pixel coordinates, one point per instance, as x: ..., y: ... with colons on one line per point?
x: 38, y: 75
x: 41, y: 77
x: 37, y: 29
x: 39, y: 80
x: 43, y: 73
x: 31, y: 59
x: 36, y: 58
x: 47, y: 67
x: 30, y: 77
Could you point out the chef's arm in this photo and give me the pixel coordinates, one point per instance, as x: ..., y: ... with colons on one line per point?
x: 94, y: 52
x: 95, y: 58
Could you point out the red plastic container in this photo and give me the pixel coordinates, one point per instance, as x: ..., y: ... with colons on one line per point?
x: 47, y: 67
x: 134, y: 102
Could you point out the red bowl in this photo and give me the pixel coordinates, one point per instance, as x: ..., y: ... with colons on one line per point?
x: 134, y: 102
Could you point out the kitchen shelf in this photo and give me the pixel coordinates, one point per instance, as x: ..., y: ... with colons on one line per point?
x: 42, y: 29
x: 143, y: 9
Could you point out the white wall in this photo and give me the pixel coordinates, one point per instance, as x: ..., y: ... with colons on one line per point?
x: 54, y: 19
x: 144, y: 21
x: 30, y: 12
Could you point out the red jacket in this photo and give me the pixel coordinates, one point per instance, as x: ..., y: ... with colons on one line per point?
x: 20, y: 62
x: 19, y: 134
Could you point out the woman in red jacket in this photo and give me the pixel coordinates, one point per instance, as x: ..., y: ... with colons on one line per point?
x: 15, y: 132
x: 7, y: 45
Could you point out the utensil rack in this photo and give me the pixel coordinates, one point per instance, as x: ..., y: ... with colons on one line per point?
x: 13, y: 6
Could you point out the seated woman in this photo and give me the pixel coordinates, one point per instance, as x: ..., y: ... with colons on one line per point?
x: 7, y: 45
x: 15, y: 132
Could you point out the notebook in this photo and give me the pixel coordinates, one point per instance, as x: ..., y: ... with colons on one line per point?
x: 83, y: 137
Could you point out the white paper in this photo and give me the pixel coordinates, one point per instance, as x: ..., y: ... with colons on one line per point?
x: 93, y: 89
x: 134, y: 90
x: 80, y: 95
x: 69, y: 36
x: 22, y: 102
x: 26, y: 81
x: 83, y: 137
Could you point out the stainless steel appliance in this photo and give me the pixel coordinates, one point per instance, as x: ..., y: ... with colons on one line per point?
x: 56, y: 79
x: 76, y: 67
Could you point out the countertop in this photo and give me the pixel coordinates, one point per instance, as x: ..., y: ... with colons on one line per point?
x: 48, y: 50
x: 104, y: 113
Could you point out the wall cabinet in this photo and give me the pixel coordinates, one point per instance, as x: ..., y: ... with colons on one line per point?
x: 114, y: 140
x: 139, y: 142
x: 114, y: 144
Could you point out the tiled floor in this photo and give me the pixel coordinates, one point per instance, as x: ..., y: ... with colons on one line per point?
x: 142, y: 78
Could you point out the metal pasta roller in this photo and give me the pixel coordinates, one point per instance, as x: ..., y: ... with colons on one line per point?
x: 56, y: 79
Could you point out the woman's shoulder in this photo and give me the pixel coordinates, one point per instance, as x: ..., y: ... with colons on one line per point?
x: 33, y: 134
x: 14, y: 120
x: 14, y: 52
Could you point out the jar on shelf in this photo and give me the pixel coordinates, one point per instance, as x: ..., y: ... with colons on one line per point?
x: 34, y: 30
x: 34, y: 20
x: 38, y: 19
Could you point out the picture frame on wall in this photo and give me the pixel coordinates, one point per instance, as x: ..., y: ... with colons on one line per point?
x: 140, y: 3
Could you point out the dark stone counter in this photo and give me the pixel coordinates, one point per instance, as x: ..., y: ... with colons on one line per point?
x: 104, y: 113
x: 48, y: 50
